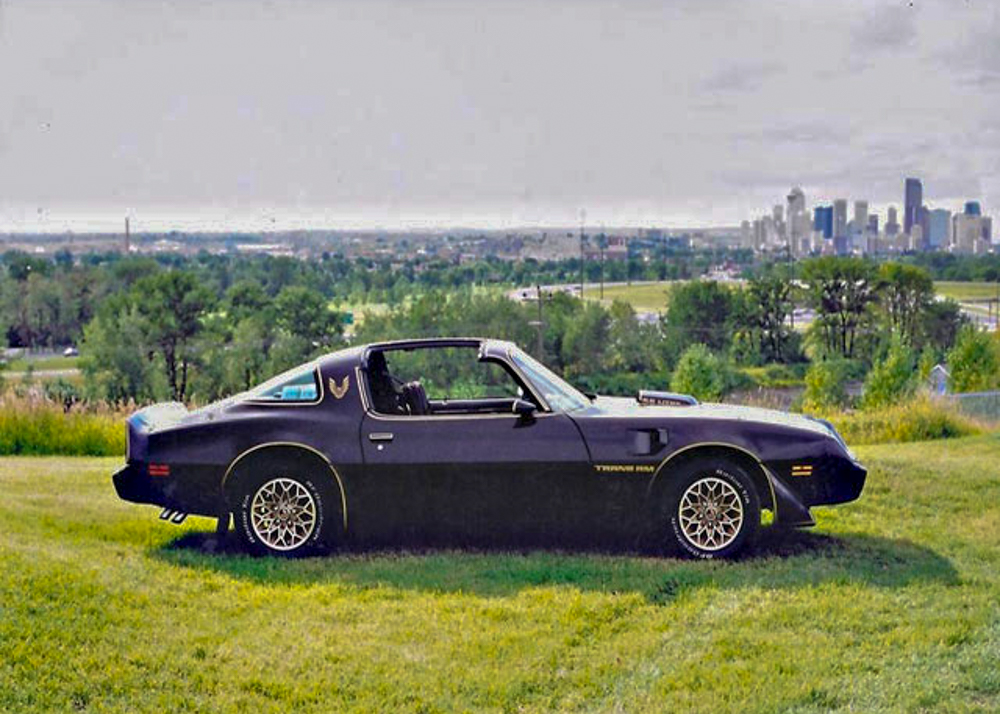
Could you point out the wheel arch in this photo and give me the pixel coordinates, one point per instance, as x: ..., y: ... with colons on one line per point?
x: 294, y: 450
x: 738, y: 454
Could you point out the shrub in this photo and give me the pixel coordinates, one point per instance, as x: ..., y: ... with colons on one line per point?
x: 825, y: 386
x: 41, y: 427
x: 892, y: 378
x: 974, y: 361
x: 918, y: 419
x: 701, y: 374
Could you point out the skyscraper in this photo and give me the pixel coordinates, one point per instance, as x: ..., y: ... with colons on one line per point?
x: 860, y: 214
x: 823, y: 221
x: 939, y: 229
x: 972, y: 208
x: 798, y: 221
x: 914, y: 200
x: 840, y: 218
x: 892, y: 223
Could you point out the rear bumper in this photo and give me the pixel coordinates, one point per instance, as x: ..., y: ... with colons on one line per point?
x: 133, y: 485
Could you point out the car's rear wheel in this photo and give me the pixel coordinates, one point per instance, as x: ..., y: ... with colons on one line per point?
x: 712, y: 509
x: 283, y: 511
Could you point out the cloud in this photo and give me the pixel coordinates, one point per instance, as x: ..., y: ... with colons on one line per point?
x: 975, y: 60
x: 741, y: 77
x: 886, y: 28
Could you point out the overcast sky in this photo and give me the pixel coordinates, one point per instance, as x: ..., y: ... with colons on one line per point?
x: 240, y: 114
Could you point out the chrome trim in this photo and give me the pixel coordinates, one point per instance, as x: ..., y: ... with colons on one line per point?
x: 333, y: 470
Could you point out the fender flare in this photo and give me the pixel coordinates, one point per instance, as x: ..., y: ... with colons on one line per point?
x: 293, y: 445
x: 788, y: 509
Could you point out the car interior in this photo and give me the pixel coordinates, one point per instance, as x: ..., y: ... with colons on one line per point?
x: 442, y: 381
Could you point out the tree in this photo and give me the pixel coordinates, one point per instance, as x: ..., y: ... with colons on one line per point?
x: 699, y: 311
x: 974, y: 361
x: 905, y: 293
x: 766, y: 305
x: 632, y: 345
x: 891, y: 378
x: 246, y: 298
x: 173, y: 304
x: 701, y: 374
x: 841, y: 290
x: 939, y: 325
x: 116, y: 362
x: 583, y: 349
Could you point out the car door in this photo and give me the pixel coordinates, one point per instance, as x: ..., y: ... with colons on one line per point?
x: 457, y: 465
x: 476, y: 478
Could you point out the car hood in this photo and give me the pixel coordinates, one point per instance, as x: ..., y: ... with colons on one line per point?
x: 628, y: 407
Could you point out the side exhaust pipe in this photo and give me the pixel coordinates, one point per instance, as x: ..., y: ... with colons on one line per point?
x: 175, y: 517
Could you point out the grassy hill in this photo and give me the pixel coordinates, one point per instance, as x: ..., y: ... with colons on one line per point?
x: 890, y: 604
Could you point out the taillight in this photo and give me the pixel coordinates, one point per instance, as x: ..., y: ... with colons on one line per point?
x: 159, y: 469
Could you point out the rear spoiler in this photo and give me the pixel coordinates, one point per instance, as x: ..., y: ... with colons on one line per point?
x: 665, y: 399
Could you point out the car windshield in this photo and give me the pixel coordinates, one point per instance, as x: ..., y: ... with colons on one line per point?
x: 560, y: 396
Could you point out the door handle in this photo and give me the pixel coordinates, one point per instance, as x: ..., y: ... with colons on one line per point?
x: 377, y: 436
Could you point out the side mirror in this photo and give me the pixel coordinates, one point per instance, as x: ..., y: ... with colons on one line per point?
x: 523, y: 408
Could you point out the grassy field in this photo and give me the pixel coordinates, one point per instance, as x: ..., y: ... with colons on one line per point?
x: 653, y: 296
x: 646, y: 296
x: 890, y: 604
x: 966, y: 291
x: 43, y: 363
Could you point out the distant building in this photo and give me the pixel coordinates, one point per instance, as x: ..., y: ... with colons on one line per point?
x: 746, y: 235
x: 840, y: 218
x: 823, y: 220
x: 967, y: 234
x: 892, y: 224
x: 938, y: 229
x: 859, y: 225
x: 972, y: 208
x: 987, y: 229
x: 914, y: 199
x: 873, y: 224
x: 798, y: 222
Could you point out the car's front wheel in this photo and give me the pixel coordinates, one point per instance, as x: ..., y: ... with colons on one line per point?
x: 712, y: 509
x: 283, y: 512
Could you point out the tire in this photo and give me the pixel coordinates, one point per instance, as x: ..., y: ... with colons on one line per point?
x: 711, y: 509
x: 282, y: 508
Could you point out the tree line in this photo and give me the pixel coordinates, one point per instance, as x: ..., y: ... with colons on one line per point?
x: 205, y: 327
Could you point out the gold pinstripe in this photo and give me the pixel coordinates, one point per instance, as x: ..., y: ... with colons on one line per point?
x: 296, y: 444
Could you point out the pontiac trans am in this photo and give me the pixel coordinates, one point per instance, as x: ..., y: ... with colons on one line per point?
x: 473, y: 442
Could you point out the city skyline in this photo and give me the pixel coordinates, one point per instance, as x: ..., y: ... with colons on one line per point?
x: 833, y: 230
x: 230, y: 115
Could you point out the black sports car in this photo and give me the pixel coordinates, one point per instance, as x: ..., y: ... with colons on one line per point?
x: 471, y: 441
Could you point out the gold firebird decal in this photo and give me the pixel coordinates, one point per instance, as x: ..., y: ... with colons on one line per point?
x: 339, y: 392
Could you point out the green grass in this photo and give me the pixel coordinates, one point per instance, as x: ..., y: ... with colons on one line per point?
x: 890, y: 604
x: 965, y: 290
x: 647, y: 296
x: 43, y: 364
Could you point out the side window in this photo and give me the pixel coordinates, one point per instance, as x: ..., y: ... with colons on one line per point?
x: 297, y: 386
x: 439, y: 380
x: 452, y: 373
